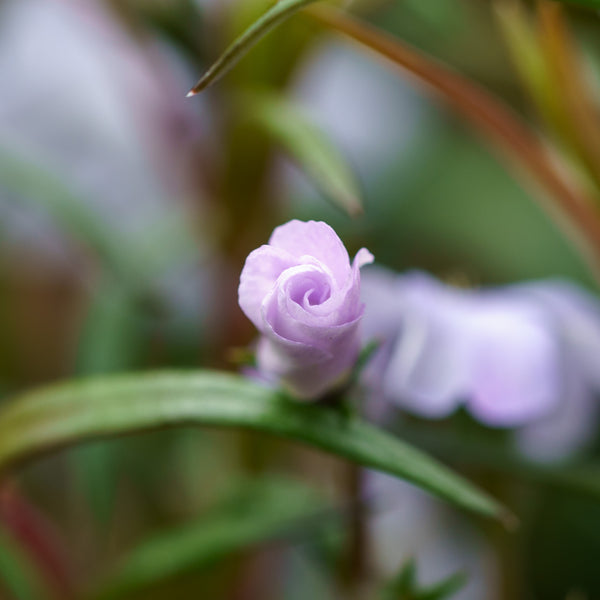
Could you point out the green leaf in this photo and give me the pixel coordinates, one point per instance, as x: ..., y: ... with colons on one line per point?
x: 258, y: 511
x: 307, y: 145
x: 481, y: 452
x: 17, y: 573
x: 109, y: 342
x: 134, y: 260
x: 76, y: 411
x: 240, y: 46
x: 43, y: 189
x: 110, y: 338
x: 405, y: 587
x: 445, y: 589
x: 403, y: 583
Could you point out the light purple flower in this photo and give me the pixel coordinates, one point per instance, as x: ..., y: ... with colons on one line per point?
x: 519, y: 355
x: 303, y: 295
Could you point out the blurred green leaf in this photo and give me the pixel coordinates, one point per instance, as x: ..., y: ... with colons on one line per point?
x: 405, y: 587
x: 589, y: 3
x: 403, y: 582
x: 95, y: 468
x: 521, y: 36
x: 258, y: 511
x: 242, y: 44
x: 306, y: 575
x: 76, y: 411
x: 109, y: 339
x: 109, y: 342
x: 480, y: 450
x: 133, y: 260
x: 308, y: 145
x: 45, y: 190
x: 17, y: 573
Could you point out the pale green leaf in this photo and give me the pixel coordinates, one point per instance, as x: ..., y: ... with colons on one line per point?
x: 308, y: 145
x: 76, y: 411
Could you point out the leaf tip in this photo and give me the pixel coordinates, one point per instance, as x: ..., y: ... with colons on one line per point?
x: 202, y: 84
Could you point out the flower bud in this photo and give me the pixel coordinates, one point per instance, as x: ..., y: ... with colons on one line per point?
x: 303, y: 295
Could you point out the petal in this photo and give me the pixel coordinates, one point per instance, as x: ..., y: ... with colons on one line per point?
x: 517, y: 365
x: 310, y: 369
x: 383, y: 309
x: 352, y: 285
x: 306, y: 371
x: 430, y: 366
x: 289, y: 321
x: 429, y: 369
x: 577, y: 315
x: 363, y: 257
x: 261, y: 270
x: 313, y: 238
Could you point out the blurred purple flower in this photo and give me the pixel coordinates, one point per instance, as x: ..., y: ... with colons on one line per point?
x: 86, y: 101
x: 518, y: 355
x: 303, y: 295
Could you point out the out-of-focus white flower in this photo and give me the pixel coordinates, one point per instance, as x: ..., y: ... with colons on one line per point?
x: 514, y: 356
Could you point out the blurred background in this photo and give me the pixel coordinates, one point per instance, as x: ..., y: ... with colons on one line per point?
x: 126, y: 212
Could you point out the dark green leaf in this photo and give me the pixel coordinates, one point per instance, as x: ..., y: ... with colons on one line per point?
x: 259, y: 511
x: 240, y: 46
x: 445, y: 589
x: 588, y: 3
x: 482, y: 452
x: 17, y: 573
x: 403, y: 583
x: 107, y: 406
x: 405, y: 587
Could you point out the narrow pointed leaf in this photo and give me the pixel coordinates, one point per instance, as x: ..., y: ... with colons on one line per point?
x: 240, y: 46
x: 308, y: 145
x: 445, y: 589
x: 257, y: 512
x: 76, y: 411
